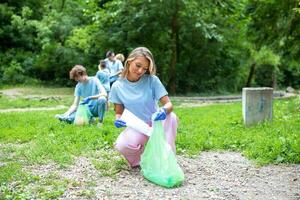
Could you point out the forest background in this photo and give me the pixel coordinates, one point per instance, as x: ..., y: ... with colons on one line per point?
x: 202, y: 46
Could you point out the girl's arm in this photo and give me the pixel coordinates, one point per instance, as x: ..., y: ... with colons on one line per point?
x: 166, y: 103
x: 119, y: 108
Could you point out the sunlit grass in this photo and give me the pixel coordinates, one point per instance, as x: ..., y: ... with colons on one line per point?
x: 28, y: 97
x: 40, y: 90
x: 221, y: 127
x: 35, y: 138
x: 201, y: 128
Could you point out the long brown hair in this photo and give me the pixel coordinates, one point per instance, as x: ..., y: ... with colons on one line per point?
x: 139, y: 52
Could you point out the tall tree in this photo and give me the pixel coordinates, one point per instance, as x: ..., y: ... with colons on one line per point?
x: 276, y: 24
x: 186, y: 37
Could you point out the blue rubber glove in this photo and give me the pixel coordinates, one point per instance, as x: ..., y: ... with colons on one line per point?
x: 120, y: 123
x: 161, y: 114
x: 86, y: 100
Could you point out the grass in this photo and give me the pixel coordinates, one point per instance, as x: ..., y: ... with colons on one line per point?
x: 16, y: 184
x: 27, y: 97
x: 23, y: 102
x: 109, y: 163
x: 202, y: 128
x: 220, y: 127
x: 45, y: 138
x: 34, y: 138
x: 40, y: 90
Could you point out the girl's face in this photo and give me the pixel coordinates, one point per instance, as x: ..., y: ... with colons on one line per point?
x: 137, y: 68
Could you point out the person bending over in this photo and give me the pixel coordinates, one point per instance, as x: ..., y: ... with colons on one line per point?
x: 139, y: 90
x: 92, y: 92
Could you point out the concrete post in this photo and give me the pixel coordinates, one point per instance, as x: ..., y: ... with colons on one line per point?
x: 257, y: 105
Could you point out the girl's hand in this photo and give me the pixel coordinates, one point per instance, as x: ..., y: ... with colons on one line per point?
x: 161, y: 114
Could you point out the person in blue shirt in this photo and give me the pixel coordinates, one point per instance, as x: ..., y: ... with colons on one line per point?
x: 120, y: 57
x: 139, y: 90
x: 114, y: 65
x: 103, y: 75
x: 93, y: 94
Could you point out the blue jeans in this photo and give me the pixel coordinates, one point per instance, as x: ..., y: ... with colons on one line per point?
x: 97, y: 108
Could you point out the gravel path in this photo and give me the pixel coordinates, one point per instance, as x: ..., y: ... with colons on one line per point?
x: 32, y: 109
x: 212, y: 175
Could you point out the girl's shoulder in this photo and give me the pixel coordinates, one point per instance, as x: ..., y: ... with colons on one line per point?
x: 119, y: 82
x: 118, y: 85
x: 150, y: 77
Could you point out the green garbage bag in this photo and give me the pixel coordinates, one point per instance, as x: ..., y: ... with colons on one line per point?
x: 83, y: 115
x: 158, y: 162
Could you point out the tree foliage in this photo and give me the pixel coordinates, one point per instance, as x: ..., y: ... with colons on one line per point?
x: 276, y: 24
x: 199, y: 46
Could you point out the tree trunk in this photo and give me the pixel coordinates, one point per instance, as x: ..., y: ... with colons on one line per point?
x: 63, y: 2
x: 250, y: 75
x: 274, y: 80
x: 175, y: 42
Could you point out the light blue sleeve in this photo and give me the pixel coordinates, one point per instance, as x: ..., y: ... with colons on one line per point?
x: 98, y: 85
x: 77, y: 92
x: 158, y: 88
x: 120, y: 66
x: 113, y: 94
x: 101, y: 76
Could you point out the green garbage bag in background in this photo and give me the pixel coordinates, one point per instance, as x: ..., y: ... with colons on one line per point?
x: 158, y: 162
x: 83, y: 115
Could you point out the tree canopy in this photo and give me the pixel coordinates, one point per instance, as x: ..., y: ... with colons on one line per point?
x: 199, y: 46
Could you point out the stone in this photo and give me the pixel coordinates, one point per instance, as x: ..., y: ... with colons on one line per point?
x: 257, y: 105
x: 290, y: 89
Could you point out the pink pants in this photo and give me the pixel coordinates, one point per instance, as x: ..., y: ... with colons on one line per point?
x: 130, y: 142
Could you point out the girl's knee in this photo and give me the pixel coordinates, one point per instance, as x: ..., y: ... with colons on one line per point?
x: 172, y: 117
x: 128, y: 150
x: 121, y: 147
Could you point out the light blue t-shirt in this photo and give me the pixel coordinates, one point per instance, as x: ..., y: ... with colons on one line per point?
x: 139, y: 97
x: 114, y: 67
x: 89, y: 88
x: 103, y: 77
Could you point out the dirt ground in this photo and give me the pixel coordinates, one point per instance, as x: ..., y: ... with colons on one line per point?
x: 12, y: 93
x: 212, y: 175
